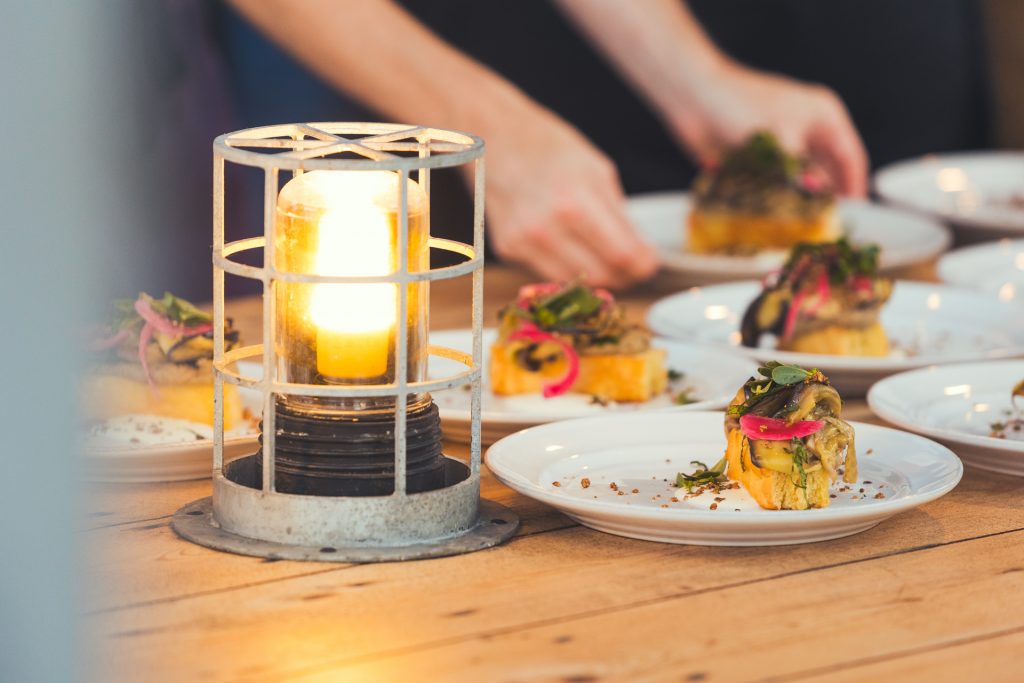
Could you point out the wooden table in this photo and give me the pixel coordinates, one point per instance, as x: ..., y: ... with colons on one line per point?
x: 935, y: 594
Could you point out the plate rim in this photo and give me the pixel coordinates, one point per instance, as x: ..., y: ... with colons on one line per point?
x: 779, y: 518
x: 942, y: 232
x: 970, y: 222
x: 960, y: 438
x: 995, y: 246
x: 450, y: 414
x: 851, y: 363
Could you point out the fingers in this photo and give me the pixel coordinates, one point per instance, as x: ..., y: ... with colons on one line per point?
x: 621, y: 255
x: 550, y: 248
x: 835, y: 141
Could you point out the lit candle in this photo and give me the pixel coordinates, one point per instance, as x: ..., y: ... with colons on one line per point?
x: 345, y: 223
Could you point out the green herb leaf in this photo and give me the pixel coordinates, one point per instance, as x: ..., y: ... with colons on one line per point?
x: 179, y: 310
x: 702, y: 475
x: 572, y: 304
x: 787, y: 375
x: 800, y: 458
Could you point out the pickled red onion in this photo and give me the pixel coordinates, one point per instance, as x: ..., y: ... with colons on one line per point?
x: 158, y: 323
x: 824, y: 291
x: 862, y: 283
x: 162, y: 324
x: 776, y: 429
x: 531, y: 333
x: 110, y: 342
x: 144, y: 336
x: 791, y: 315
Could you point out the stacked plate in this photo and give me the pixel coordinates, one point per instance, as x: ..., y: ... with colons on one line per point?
x: 709, y: 379
x: 121, y: 461
x: 926, y: 323
x: 965, y: 406
x: 980, y: 194
x: 906, y: 239
x: 995, y: 267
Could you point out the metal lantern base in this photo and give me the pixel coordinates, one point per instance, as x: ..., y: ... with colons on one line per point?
x: 495, y: 524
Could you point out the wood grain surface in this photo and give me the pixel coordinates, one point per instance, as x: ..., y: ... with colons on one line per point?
x: 935, y: 594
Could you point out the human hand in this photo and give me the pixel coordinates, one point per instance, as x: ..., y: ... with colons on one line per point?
x: 732, y: 102
x: 555, y: 203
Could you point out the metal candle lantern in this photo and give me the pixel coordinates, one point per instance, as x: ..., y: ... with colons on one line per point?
x: 350, y: 465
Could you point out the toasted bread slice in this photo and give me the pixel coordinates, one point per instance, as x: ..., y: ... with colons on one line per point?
x: 712, y: 231
x: 771, y: 489
x: 838, y: 340
x: 105, y: 396
x: 616, y: 377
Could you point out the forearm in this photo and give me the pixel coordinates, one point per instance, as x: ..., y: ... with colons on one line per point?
x: 656, y: 45
x: 385, y: 58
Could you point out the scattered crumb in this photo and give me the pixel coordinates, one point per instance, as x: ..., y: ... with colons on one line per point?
x: 636, y: 491
x: 869, y: 451
x: 556, y: 483
x: 613, y: 486
x: 719, y: 499
x: 619, y: 493
x: 831, y: 495
x: 664, y: 505
x: 867, y: 481
x: 714, y: 506
x: 736, y: 510
x: 861, y: 490
x: 879, y: 495
x: 674, y: 499
x: 585, y: 483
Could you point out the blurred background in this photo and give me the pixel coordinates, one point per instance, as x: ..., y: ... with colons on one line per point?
x: 111, y: 108
x: 916, y: 76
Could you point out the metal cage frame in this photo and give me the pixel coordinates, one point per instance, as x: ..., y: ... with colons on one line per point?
x: 267, y: 522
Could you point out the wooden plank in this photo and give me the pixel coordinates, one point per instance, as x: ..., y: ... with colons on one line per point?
x: 766, y: 629
x: 117, y: 504
x: 166, y: 568
x: 551, y: 576
x: 187, y: 570
x: 994, y: 658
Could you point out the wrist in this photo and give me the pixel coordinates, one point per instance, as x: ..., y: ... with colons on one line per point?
x: 700, y: 73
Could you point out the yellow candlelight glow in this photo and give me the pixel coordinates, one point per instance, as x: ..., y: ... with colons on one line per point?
x: 354, y: 322
x: 345, y: 223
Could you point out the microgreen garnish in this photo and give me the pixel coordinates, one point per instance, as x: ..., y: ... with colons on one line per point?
x: 702, y: 475
x: 174, y: 308
x: 774, y: 378
x: 785, y: 375
x: 841, y: 259
x: 567, y: 306
x: 801, y: 456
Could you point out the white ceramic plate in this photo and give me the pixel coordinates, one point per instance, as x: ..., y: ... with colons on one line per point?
x: 906, y: 239
x: 996, y: 268
x: 956, y: 404
x: 711, y: 376
x: 138, y: 464
x: 927, y: 324
x: 644, y: 451
x: 981, y: 194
